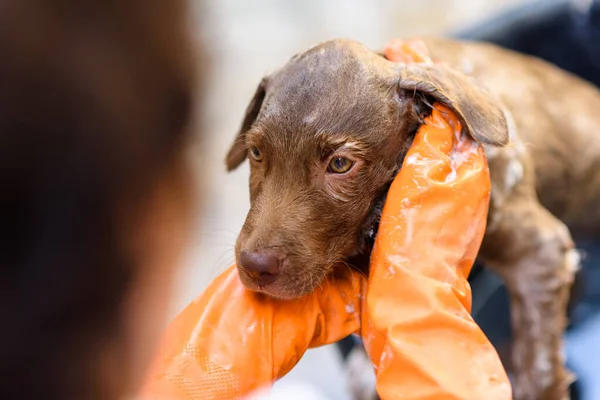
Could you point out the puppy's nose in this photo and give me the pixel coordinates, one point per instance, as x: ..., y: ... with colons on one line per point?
x: 262, y: 267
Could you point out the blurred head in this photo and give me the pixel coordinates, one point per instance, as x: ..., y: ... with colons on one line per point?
x: 96, y: 99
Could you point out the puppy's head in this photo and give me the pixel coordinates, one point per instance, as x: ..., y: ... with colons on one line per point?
x: 325, y: 136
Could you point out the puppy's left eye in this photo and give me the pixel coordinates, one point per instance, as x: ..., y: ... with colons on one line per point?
x: 339, y: 165
x: 255, y: 154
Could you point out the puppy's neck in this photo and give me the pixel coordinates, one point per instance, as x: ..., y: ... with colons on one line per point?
x: 360, y: 261
x: 368, y: 233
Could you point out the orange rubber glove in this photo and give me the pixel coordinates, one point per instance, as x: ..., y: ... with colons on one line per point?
x: 417, y: 326
x: 231, y: 341
x: 415, y: 323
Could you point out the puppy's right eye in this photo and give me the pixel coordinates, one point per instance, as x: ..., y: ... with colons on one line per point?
x: 255, y: 154
x: 339, y: 165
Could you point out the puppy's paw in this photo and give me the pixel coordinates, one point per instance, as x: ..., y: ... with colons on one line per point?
x: 361, y: 376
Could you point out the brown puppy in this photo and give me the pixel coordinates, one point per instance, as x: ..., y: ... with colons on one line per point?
x: 326, y: 134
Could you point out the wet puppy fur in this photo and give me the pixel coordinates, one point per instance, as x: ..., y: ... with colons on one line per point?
x: 325, y: 136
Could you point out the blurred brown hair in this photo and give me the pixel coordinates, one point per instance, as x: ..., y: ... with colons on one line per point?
x: 95, y: 102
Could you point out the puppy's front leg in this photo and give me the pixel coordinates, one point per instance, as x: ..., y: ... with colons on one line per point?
x: 534, y: 254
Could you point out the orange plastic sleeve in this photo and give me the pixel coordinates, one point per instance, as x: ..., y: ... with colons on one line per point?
x: 231, y: 341
x: 416, y: 323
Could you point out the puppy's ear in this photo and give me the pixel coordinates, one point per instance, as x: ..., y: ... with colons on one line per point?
x: 238, y: 152
x: 480, y: 114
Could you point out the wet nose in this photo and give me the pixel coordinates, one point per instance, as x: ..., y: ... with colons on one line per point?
x: 261, y: 267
